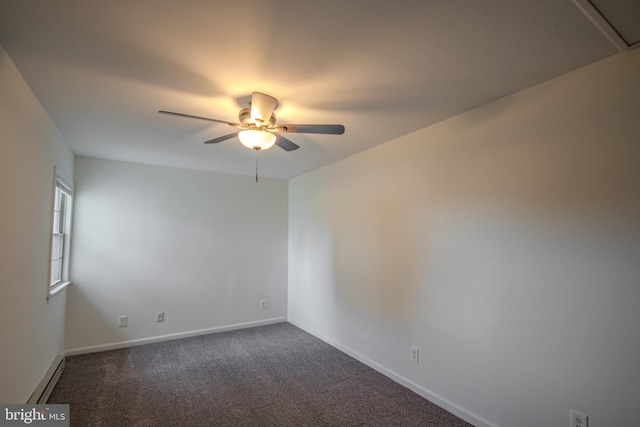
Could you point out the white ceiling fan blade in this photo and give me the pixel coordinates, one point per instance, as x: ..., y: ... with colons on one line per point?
x: 262, y: 107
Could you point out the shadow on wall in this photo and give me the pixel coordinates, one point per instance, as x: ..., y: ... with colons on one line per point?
x: 95, y: 322
x: 533, y: 167
x: 377, y: 257
x: 529, y: 175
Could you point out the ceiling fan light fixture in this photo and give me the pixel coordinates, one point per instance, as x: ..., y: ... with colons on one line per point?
x: 257, y: 139
x: 258, y: 127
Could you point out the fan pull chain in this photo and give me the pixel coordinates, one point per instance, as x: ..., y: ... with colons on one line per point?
x: 257, y: 149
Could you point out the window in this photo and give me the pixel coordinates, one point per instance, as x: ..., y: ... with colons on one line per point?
x: 61, y: 234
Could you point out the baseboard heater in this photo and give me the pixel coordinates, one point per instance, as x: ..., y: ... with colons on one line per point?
x: 44, y: 389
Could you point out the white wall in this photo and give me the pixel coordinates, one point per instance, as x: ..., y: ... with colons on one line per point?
x: 504, y: 243
x: 31, y: 330
x: 204, y: 248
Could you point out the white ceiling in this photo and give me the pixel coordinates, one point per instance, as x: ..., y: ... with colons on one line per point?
x: 102, y: 69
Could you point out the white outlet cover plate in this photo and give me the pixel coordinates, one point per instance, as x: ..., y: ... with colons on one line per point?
x: 578, y: 419
x: 414, y: 354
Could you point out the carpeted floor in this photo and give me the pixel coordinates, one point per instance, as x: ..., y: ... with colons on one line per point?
x: 276, y: 375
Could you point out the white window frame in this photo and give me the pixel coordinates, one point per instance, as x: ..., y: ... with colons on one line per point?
x: 60, y: 235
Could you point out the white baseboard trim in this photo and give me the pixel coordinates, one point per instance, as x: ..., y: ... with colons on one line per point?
x: 427, y: 394
x: 168, y: 337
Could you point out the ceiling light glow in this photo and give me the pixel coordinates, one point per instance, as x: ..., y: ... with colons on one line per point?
x: 257, y: 139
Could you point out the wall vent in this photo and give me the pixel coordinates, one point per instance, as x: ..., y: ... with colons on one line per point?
x: 619, y: 20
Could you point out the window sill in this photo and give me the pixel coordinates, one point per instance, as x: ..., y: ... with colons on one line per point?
x: 56, y: 290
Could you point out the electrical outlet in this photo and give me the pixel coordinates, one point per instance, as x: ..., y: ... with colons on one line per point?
x: 160, y: 316
x: 414, y: 354
x: 578, y: 419
x: 263, y: 304
x: 122, y: 321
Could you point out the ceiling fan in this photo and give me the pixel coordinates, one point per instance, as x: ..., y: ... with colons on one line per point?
x: 258, y: 127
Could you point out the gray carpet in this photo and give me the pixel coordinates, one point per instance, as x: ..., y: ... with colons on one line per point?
x: 276, y: 375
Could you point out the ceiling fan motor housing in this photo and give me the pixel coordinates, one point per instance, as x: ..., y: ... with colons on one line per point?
x: 245, y: 119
